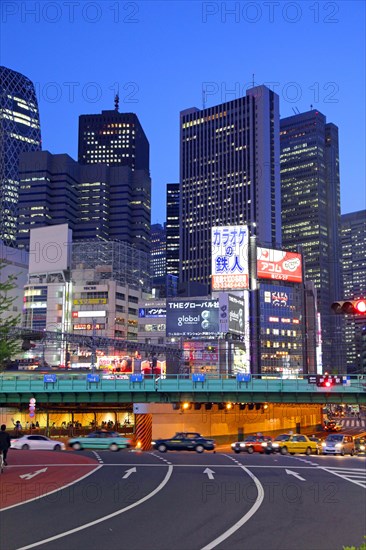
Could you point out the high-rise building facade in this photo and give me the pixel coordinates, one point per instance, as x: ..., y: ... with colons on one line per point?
x: 229, y: 175
x: 117, y: 140
x: 158, y: 250
x: 172, y: 229
x: 20, y: 131
x: 310, y: 194
x: 353, y: 235
x: 97, y: 201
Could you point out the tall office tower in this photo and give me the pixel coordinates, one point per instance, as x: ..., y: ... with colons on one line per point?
x: 229, y: 175
x: 118, y: 141
x: 96, y: 201
x: 158, y: 250
x: 172, y: 229
x: 353, y: 236
x: 48, y: 193
x: 310, y: 190
x: 20, y: 131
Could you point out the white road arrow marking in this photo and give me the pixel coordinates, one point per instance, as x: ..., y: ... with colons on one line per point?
x: 298, y: 476
x: 129, y: 472
x: 30, y: 475
x: 209, y: 473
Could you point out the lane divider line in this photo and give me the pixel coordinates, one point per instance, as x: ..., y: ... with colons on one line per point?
x: 246, y: 517
x: 104, y: 518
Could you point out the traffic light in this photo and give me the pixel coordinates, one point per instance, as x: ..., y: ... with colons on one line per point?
x: 351, y: 307
x: 325, y: 381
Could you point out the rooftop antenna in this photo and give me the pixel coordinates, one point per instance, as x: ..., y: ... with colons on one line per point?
x: 293, y: 108
x: 253, y: 80
x: 116, y: 101
x: 203, y: 99
x: 311, y: 107
x: 297, y: 109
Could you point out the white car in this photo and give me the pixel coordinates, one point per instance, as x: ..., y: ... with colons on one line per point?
x: 37, y: 442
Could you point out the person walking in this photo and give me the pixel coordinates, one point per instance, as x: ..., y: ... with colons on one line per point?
x: 4, y: 442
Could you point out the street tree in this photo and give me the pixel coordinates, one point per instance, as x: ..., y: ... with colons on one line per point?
x: 9, y: 342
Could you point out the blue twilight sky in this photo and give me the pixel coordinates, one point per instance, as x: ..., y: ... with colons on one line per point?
x: 162, y: 54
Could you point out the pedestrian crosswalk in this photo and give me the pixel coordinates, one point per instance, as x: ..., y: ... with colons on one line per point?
x: 354, y: 475
x: 353, y: 423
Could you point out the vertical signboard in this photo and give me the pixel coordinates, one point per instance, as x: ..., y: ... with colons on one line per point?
x: 229, y: 252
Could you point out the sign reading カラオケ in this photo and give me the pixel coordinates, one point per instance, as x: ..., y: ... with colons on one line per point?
x: 279, y: 264
x: 229, y: 249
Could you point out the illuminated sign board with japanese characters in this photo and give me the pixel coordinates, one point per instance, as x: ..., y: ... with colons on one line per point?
x: 152, y: 312
x: 279, y: 265
x: 192, y: 318
x: 229, y: 250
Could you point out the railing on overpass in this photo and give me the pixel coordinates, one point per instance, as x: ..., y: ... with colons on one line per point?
x: 95, y: 387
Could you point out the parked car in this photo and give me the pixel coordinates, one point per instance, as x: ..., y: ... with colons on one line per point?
x: 292, y: 443
x: 252, y: 444
x: 100, y: 439
x: 184, y: 441
x: 37, y: 442
x: 339, y: 444
x: 360, y: 445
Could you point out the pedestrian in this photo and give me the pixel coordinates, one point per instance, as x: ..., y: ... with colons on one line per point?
x: 4, y: 442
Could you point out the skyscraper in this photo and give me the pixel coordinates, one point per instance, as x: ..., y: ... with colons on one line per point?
x: 172, y: 229
x: 20, y: 131
x: 229, y: 175
x: 310, y: 190
x: 118, y: 141
x: 353, y: 235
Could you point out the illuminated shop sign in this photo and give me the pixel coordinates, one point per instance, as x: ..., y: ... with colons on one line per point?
x: 231, y: 313
x: 229, y: 252
x: 192, y: 318
x: 89, y: 301
x: 279, y: 264
x: 89, y: 326
x: 79, y: 314
x: 152, y: 312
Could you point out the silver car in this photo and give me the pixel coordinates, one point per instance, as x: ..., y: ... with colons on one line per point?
x: 338, y: 444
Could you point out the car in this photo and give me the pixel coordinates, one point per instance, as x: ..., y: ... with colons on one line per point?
x: 338, y: 444
x: 184, y: 441
x: 37, y: 442
x: 252, y: 444
x: 332, y: 426
x: 292, y: 443
x: 318, y: 442
x: 100, y: 439
x: 360, y: 445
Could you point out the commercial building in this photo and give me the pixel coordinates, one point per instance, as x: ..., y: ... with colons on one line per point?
x: 229, y: 175
x: 310, y: 191
x: 353, y: 237
x: 172, y: 229
x: 20, y: 131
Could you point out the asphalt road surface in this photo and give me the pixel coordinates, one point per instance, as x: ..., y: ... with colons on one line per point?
x: 190, y: 501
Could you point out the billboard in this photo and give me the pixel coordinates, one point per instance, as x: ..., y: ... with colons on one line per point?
x: 279, y: 265
x: 231, y: 313
x: 229, y: 252
x: 152, y: 312
x: 192, y: 318
x: 49, y: 249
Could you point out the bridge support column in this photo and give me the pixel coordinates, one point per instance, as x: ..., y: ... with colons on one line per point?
x: 143, y: 426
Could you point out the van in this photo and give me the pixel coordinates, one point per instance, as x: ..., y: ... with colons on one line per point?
x: 338, y: 444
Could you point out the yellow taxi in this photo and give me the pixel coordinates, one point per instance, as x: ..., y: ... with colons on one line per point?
x: 293, y: 443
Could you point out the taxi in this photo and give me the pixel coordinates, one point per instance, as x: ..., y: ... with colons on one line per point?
x: 293, y: 443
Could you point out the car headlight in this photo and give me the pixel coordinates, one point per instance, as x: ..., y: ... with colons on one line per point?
x: 362, y: 447
x: 242, y: 444
x: 275, y: 445
x: 233, y: 445
x: 324, y: 444
x: 264, y: 444
x: 153, y: 443
x: 338, y: 445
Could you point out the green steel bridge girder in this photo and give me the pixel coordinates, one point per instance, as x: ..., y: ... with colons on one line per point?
x: 19, y: 389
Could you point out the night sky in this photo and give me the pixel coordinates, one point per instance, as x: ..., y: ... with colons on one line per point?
x: 161, y: 55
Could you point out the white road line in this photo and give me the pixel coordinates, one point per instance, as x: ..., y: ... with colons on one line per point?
x: 246, y: 517
x: 346, y: 478
x: 104, y: 518
x: 54, y: 491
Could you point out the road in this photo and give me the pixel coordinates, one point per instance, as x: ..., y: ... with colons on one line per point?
x: 188, y: 501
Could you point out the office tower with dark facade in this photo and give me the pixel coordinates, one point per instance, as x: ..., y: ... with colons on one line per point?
x: 118, y: 141
x: 20, y: 131
x: 172, y: 229
x: 229, y: 175
x: 353, y: 235
x: 310, y: 194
